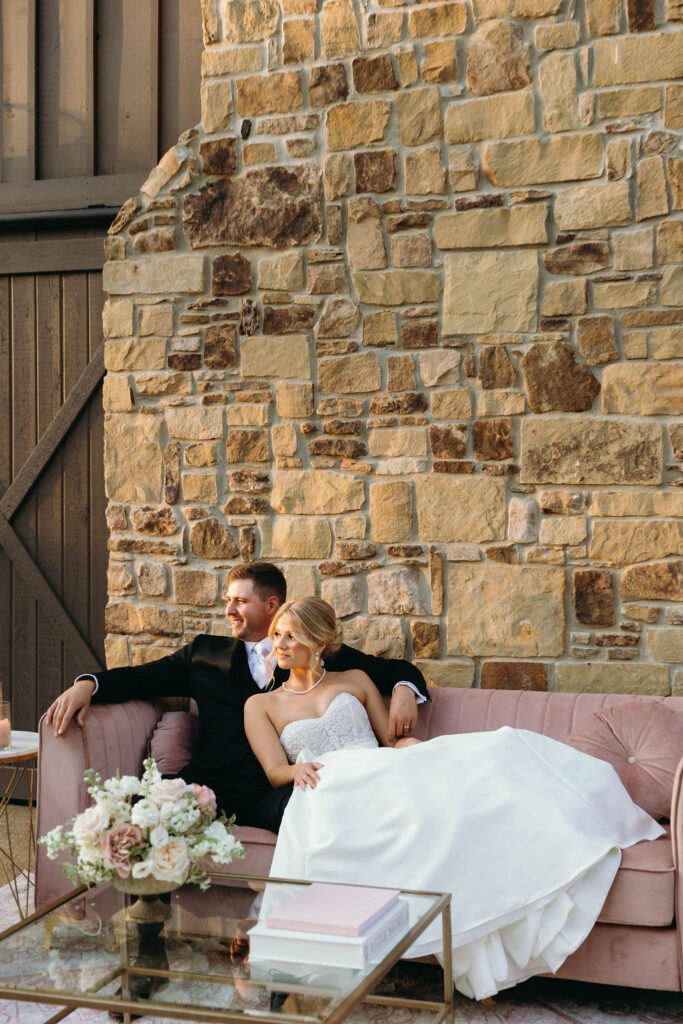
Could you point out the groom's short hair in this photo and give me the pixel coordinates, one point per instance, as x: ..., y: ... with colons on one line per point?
x: 268, y: 580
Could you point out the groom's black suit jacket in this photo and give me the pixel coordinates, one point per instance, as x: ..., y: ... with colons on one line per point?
x: 214, y: 671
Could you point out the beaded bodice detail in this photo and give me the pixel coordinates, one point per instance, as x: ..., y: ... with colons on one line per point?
x: 344, y: 724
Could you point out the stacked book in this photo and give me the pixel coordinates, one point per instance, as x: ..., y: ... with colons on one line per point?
x: 331, y: 926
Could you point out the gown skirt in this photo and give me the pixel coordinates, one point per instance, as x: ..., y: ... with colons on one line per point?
x: 525, y: 833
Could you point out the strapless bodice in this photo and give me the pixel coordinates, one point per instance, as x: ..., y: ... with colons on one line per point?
x: 345, y: 723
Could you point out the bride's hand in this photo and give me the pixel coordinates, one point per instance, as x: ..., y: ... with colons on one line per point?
x: 306, y: 774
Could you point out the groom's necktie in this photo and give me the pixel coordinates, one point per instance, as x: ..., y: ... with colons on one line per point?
x: 260, y: 669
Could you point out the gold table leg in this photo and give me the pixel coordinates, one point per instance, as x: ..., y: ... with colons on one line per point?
x: 12, y: 778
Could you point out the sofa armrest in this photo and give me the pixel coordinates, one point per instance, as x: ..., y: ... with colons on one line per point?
x: 677, y: 845
x: 113, y: 738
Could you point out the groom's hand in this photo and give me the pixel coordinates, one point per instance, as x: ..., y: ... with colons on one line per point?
x: 402, y: 713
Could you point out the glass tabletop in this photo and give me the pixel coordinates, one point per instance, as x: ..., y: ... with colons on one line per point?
x: 189, y: 956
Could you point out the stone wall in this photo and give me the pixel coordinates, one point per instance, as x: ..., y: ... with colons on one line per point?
x: 405, y: 315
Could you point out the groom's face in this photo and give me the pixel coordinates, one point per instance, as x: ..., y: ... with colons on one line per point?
x: 249, y: 613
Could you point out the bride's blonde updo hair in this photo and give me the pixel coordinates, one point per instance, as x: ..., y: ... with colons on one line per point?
x: 313, y: 622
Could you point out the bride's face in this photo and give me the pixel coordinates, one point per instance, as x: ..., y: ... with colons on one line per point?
x: 290, y: 653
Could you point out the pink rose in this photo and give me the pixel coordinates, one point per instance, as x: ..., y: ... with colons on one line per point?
x: 206, y: 798
x: 118, y: 842
x: 168, y: 791
x: 171, y: 861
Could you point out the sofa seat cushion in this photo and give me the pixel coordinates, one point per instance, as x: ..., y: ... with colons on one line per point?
x: 644, y: 744
x: 643, y: 891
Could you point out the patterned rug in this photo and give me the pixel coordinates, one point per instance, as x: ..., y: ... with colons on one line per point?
x: 539, y: 1001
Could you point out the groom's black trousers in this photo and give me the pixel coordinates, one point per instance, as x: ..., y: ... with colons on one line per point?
x: 265, y: 810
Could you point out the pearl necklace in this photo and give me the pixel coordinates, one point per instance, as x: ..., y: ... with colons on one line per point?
x: 300, y: 692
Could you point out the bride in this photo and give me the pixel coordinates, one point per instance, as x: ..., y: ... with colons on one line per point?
x: 525, y: 832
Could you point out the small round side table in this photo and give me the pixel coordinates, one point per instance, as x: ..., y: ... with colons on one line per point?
x: 18, y: 767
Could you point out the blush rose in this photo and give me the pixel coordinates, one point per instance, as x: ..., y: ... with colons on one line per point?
x: 118, y: 842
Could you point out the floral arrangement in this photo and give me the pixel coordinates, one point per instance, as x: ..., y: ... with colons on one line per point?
x: 141, y: 828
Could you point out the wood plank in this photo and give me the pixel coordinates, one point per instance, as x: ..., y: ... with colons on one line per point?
x: 75, y: 465
x: 180, y: 75
x: 53, y: 436
x: 99, y: 533
x: 127, y: 86
x: 70, y: 193
x: 49, y: 680
x: 18, y: 90
x: 5, y: 477
x: 66, y: 84
x: 24, y: 437
x: 41, y: 591
x: 47, y: 257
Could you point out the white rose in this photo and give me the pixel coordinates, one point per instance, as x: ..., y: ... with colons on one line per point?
x: 130, y: 786
x: 200, y: 850
x: 145, y: 814
x: 216, y: 830
x: 224, y: 850
x: 182, y: 818
x: 158, y: 836
x: 171, y: 861
x: 143, y: 868
x: 168, y: 791
x: 89, y: 826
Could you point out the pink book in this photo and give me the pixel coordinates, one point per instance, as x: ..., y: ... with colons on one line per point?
x: 334, y: 909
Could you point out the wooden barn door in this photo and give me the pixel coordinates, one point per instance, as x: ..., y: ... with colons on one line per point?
x: 53, y: 547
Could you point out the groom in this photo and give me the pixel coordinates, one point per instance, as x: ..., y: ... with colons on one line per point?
x: 220, y: 674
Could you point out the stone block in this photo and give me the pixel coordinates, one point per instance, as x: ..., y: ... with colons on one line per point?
x: 276, y: 207
x: 379, y: 329
x: 247, y: 21
x: 339, y: 319
x: 162, y: 275
x: 497, y: 59
x: 216, y: 106
x: 157, y: 520
x: 502, y: 116
x: 632, y: 249
x: 593, y: 206
x: 327, y: 84
x: 353, y: 374
x: 462, y: 171
x: 447, y: 673
x: 535, y: 161
x: 258, y: 153
x: 117, y: 395
x: 439, y: 368
x: 556, y: 37
x: 117, y: 318
x: 282, y: 273
x: 666, y: 343
x: 666, y: 645
x: 294, y: 537
x: 652, y: 200
x: 286, y: 356
x: 365, y: 242
x: 300, y: 492
x: 194, y: 423
x: 419, y: 115
x: 373, y: 74
x: 203, y: 454
x: 424, y: 173
x: 152, y: 579
x: 595, y: 339
x: 337, y: 176
x: 411, y: 250
x: 380, y: 636
x: 210, y: 539
x: 564, y: 298
x: 643, y: 390
x: 514, y: 675
x: 155, y: 320
x: 489, y: 228
x: 132, y: 457
x: 448, y: 442
x: 606, y: 677
x: 670, y: 241
x: 391, y: 511
x: 339, y: 29
x: 397, y: 287
x: 557, y: 86
x: 382, y: 29
x: 469, y: 509
x: 293, y: 401
x: 445, y: 19
x: 492, y: 440
x: 231, y: 275
x: 658, y: 581
x: 673, y: 107
x: 397, y: 592
x: 562, y: 530
x: 122, y: 617
x: 298, y: 41
x: 490, y: 292
x: 451, y: 405
x: 522, y: 520
x: 500, y: 403
x: 200, y: 488
x: 229, y: 62
x: 347, y: 596
x: 439, y: 61
x: 397, y: 441
x: 501, y: 610
x: 350, y: 125
x: 637, y: 58
x: 602, y: 17
x: 555, y: 381
x: 590, y: 451
x: 375, y: 170
x: 624, y: 541
x: 672, y: 286
x: 244, y: 445
x: 578, y: 258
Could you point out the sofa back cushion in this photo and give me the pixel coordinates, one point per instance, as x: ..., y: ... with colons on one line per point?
x: 643, y: 741
x: 173, y: 741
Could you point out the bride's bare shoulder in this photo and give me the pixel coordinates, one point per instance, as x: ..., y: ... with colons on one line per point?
x: 354, y: 677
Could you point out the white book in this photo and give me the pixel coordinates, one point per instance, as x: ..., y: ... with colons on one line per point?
x: 321, y: 950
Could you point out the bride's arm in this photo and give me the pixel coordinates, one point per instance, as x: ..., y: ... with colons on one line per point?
x: 378, y: 713
x: 265, y: 743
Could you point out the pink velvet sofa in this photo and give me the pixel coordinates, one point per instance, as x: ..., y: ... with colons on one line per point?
x: 638, y: 939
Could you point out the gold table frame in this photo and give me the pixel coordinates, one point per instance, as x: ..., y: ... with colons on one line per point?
x: 363, y: 992
x: 19, y: 767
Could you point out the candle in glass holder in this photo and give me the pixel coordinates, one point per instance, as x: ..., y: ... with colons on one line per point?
x: 5, y: 727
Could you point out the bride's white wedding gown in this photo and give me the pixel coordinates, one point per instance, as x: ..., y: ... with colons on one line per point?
x: 524, y: 831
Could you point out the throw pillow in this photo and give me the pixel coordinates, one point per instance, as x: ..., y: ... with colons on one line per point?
x: 173, y: 741
x: 643, y: 741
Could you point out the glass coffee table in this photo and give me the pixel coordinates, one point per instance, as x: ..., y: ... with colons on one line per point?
x: 189, y: 960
